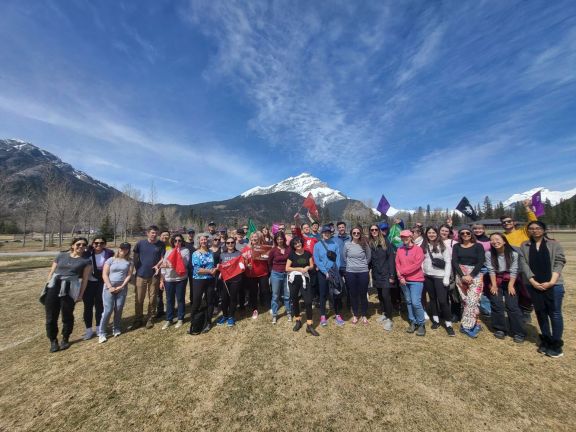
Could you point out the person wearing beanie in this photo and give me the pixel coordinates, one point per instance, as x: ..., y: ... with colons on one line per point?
x: 409, y: 259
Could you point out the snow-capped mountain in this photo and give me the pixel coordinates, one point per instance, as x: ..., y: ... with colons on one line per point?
x: 302, y: 184
x: 554, y: 196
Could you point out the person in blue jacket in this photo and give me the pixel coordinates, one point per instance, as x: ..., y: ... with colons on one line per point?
x: 327, y: 254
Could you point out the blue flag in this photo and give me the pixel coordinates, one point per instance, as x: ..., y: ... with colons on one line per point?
x: 383, y: 205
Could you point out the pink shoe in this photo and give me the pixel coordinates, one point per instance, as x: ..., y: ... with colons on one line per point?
x: 255, y: 314
x: 355, y: 320
x: 323, y: 321
x: 364, y: 320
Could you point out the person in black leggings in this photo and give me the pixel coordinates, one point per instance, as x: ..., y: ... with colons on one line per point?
x: 298, y: 264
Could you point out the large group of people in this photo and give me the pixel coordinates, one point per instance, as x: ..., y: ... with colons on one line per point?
x: 441, y: 274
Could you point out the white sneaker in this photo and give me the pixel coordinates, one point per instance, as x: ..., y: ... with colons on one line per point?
x: 426, y: 317
x: 117, y: 333
x: 255, y: 314
x: 289, y: 316
x: 179, y: 324
x: 382, y: 318
x: 89, y: 334
x: 166, y: 325
x: 387, y: 323
x: 102, y: 338
x: 274, y: 320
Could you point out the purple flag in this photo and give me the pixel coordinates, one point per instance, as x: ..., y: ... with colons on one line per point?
x: 383, y: 205
x: 537, y: 204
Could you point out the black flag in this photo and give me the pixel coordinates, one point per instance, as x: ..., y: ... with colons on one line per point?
x: 465, y: 207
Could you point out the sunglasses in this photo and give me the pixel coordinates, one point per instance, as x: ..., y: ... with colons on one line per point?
x: 230, y: 242
x: 466, y: 233
x: 81, y: 244
x: 507, y: 221
x: 177, y: 241
x: 374, y: 229
x: 98, y: 243
x: 355, y: 233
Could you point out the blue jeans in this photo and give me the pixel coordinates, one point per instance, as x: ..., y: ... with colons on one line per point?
x: 279, y: 282
x: 112, y: 303
x: 548, y: 308
x: 413, y: 295
x: 175, y: 291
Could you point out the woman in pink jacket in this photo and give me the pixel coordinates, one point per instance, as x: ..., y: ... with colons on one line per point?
x: 409, y: 259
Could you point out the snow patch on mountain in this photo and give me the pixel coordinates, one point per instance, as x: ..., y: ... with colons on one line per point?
x: 392, y: 211
x: 302, y: 184
x: 554, y: 196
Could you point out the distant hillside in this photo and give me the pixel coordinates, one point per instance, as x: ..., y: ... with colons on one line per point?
x: 23, y: 169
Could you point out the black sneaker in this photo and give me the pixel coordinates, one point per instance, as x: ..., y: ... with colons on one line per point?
x: 411, y: 328
x: 206, y: 329
x: 450, y: 331
x: 555, y: 349
x: 421, y: 330
x: 311, y: 330
x: 65, y: 344
x: 499, y: 334
x: 297, y: 326
x: 54, y: 346
x: 544, y: 344
x: 519, y: 338
x: 435, y: 325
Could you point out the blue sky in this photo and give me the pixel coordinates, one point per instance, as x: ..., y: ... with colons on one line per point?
x: 424, y: 101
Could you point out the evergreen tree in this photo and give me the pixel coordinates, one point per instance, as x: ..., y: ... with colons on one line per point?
x: 519, y: 214
x: 487, y: 208
x: 499, y: 212
x: 428, y: 213
x: 162, y: 222
x: 479, y: 211
x: 456, y: 220
x: 106, y: 229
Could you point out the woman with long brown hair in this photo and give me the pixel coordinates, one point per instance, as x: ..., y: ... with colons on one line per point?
x: 357, y: 255
x: 383, y: 272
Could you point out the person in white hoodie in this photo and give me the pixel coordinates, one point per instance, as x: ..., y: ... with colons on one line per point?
x: 437, y: 268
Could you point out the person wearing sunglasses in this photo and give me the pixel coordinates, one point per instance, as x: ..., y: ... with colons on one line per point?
x: 66, y: 283
x: 203, y: 281
x: 326, y: 257
x: 383, y: 272
x: 514, y: 235
x: 409, y: 259
x: 93, y: 306
x: 174, y: 277
x: 542, y: 262
x: 116, y: 274
x: 256, y: 275
x: 230, y: 287
x: 467, y: 261
x: 357, y: 256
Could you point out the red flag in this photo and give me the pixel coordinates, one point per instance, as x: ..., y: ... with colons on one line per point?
x: 232, y: 268
x: 175, y: 258
x: 311, y: 206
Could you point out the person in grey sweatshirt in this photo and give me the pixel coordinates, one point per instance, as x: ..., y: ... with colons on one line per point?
x: 356, y: 258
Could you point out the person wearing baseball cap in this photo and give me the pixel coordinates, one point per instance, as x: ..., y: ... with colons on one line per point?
x: 409, y: 259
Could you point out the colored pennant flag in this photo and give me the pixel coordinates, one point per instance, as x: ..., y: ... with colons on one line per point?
x: 537, y: 204
x: 311, y: 206
x: 175, y: 259
x: 232, y: 268
x: 383, y: 205
x: 465, y: 207
x: 251, y: 228
x: 394, y: 235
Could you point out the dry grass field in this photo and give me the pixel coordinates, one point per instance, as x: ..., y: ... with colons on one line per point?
x: 262, y: 377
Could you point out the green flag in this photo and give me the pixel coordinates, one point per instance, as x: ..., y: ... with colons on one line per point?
x: 251, y: 228
x: 394, y: 235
